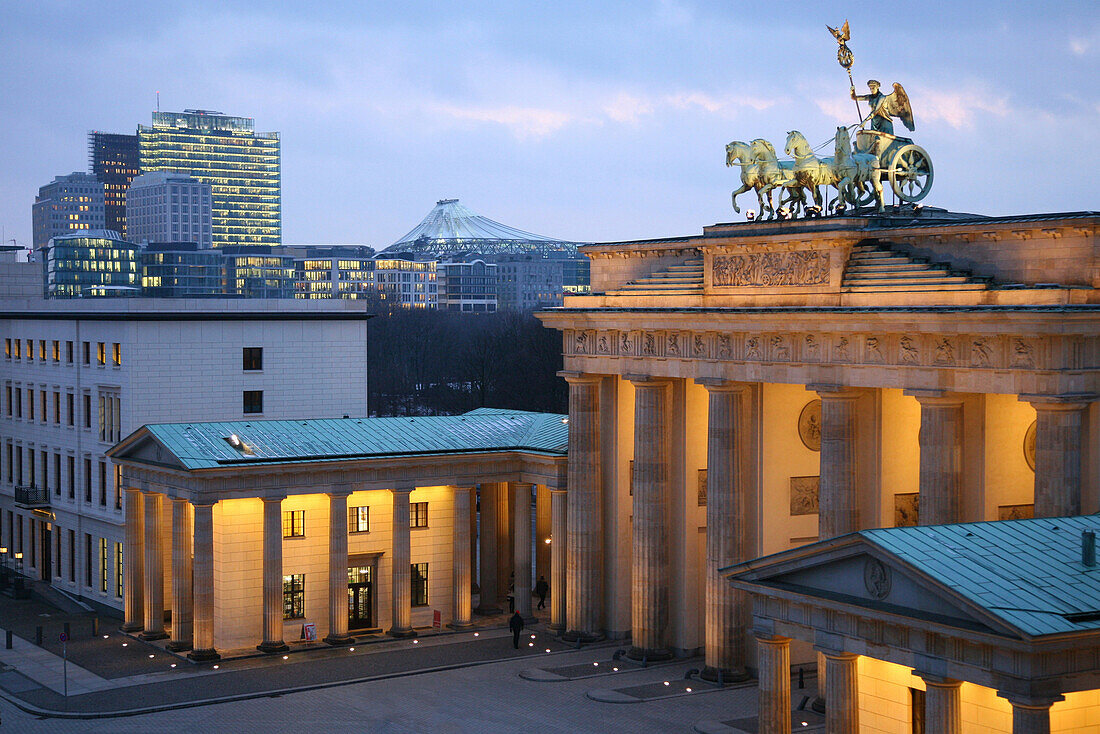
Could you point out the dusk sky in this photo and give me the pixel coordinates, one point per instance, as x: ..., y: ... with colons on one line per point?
x: 577, y: 120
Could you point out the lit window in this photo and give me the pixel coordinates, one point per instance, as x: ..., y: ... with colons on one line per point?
x: 358, y: 519
x: 294, y: 524
x: 294, y: 596
x: 420, y: 584
x: 418, y: 515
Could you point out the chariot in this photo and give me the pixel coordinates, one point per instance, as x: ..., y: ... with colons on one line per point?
x: 906, y: 165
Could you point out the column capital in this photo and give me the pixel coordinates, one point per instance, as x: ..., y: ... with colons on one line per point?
x: 579, y: 378
x: 765, y: 638
x: 402, y: 490
x: 940, y: 681
x: 558, y: 490
x: 718, y: 384
x: 339, y: 490
x: 203, y: 502
x: 1064, y: 402
x: 834, y: 392
x: 272, y: 498
x: 1030, y: 701
x: 934, y: 397
x: 640, y: 380
x: 835, y: 654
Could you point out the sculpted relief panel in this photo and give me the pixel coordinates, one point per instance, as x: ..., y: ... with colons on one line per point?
x: 771, y: 269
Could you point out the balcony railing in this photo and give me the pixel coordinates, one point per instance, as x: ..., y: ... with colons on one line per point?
x: 32, y: 497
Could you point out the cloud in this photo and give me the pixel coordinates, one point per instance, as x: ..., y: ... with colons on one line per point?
x: 522, y: 122
x: 627, y: 108
x: 959, y: 109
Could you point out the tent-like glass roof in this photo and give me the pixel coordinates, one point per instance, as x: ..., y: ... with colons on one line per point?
x: 452, y: 229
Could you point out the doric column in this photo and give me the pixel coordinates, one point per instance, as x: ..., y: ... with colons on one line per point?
x: 204, y: 584
x: 1058, y: 433
x: 838, y: 500
x: 774, y: 661
x: 487, y: 537
x: 942, y: 704
x: 505, y: 557
x: 181, y: 576
x: 1030, y: 714
x: 841, y: 692
x: 651, y: 572
x: 462, y: 570
x: 154, y: 570
x: 941, y: 447
x: 133, y: 560
x: 402, y: 568
x: 558, y: 511
x: 338, y: 567
x: 521, y: 547
x: 584, y: 527
x: 724, y: 641
x: 273, y: 575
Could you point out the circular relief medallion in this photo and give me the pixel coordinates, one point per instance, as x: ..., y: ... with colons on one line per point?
x: 809, y: 425
x: 1029, y: 446
x: 876, y: 577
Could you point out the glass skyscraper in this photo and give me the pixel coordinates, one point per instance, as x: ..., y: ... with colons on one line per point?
x: 241, y: 166
x: 114, y: 160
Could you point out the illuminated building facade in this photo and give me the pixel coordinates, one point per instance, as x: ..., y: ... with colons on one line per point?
x: 241, y: 166
x: 94, y: 263
x: 406, y: 283
x: 333, y: 271
x: 258, y: 272
x: 169, y: 207
x: 114, y: 160
x: 66, y: 204
x: 181, y: 270
x: 470, y: 287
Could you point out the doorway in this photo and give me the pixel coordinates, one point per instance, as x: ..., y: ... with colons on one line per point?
x: 360, y: 597
x: 45, y: 567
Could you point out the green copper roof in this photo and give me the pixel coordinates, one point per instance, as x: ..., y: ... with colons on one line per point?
x: 1027, y: 572
x: 205, y: 445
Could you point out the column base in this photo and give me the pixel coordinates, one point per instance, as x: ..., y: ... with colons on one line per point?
x: 726, y: 675
x: 272, y: 647
x: 489, y: 611
x: 132, y: 627
x: 153, y: 635
x: 401, y: 633
x: 178, y: 646
x: 649, y: 655
x: 582, y: 638
x: 557, y: 629
x: 338, y: 640
x: 460, y: 625
x: 204, y: 656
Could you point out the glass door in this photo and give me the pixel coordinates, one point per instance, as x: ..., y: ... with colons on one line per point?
x: 360, y: 597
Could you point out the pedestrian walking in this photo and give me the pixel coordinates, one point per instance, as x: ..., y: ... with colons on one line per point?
x: 541, y: 588
x: 516, y: 625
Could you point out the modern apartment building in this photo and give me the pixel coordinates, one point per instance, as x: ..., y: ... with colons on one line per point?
x: 93, y: 263
x: 67, y: 204
x: 181, y: 270
x: 241, y: 166
x: 114, y: 160
x: 469, y: 287
x: 406, y: 283
x: 169, y: 207
x: 78, y: 376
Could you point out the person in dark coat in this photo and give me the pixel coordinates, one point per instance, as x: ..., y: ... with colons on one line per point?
x: 516, y: 625
x: 541, y: 587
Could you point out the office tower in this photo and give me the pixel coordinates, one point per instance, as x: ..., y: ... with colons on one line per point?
x: 181, y: 270
x: 169, y: 207
x: 114, y: 160
x: 93, y: 263
x: 240, y: 165
x: 68, y: 203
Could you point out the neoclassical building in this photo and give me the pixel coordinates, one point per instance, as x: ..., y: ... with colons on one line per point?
x: 254, y: 533
x: 764, y: 385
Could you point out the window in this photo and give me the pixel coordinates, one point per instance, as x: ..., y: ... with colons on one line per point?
x: 87, y: 353
x: 45, y: 410
x: 253, y: 358
x: 57, y: 475
x: 116, y: 354
x: 57, y: 552
x: 87, y: 410
x: 57, y: 407
x: 8, y: 399
x: 30, y: 350
x: 30, y: 403
x: 118, y: 570
x: 56, y: 351
x: 70, y: 408
x: 7, y: 348
x: 88, y: 480
x: 418, y: 515
x: 18, y: 402
x: 104, y: 564
x: 420, y: 584
x: 294, y: 596
x: 358, y: 519
x: 42, y: 349
x: 72, y: 556
x: 69, y: 352
x: 9, y: 457
x: 294, y: 523
x: 253, y: 401
x: 103, y: 485
x: 87, y: 560
x: 110, y: 429
x: 118, y: 486
x: 71, y: 476
x: 101, y: 353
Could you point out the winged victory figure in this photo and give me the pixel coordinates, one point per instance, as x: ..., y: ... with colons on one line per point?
x: 886, y: 106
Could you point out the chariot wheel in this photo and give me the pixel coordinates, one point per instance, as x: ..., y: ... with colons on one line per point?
x: 911, y: 173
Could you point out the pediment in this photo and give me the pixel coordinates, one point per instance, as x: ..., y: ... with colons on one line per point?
x: 865, y: 576
x: 147, y: 450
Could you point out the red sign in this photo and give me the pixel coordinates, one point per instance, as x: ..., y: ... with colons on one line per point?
x: 437, y: 619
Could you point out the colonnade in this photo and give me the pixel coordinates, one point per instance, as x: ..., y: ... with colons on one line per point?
x: 192, y: 564
x: 1057, y: 492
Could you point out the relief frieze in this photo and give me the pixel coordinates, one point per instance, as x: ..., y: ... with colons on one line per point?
x: 771, y: 269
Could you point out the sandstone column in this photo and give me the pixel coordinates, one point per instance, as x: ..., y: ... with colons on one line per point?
x: 204, y: 584
x: 273, y: 575
x: 1057, y: 455
x: 462, y: 570
x: 181, y: 576
x: 133, y: 560
x: 402, y: 568
x: 487, y: 569
x: 942, y: 704
x: 154, y: 570
x: 838, y: 499
x: 1030, y: 715
x: 338, y: 567
x: 505, y: 562
x: 724, y: 643
x: 584, y: 526
x: 941, y: 466
x: 841, y: 693
x: 521, y: 547
x: 558, y: 511
x: 774, y: 661
x: 650, y: 568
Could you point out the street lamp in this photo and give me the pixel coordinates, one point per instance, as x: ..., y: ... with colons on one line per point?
x: 19, y: 562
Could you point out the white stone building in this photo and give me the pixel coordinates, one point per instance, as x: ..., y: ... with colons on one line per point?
x: 78, y: 376
x: 169, y: 207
